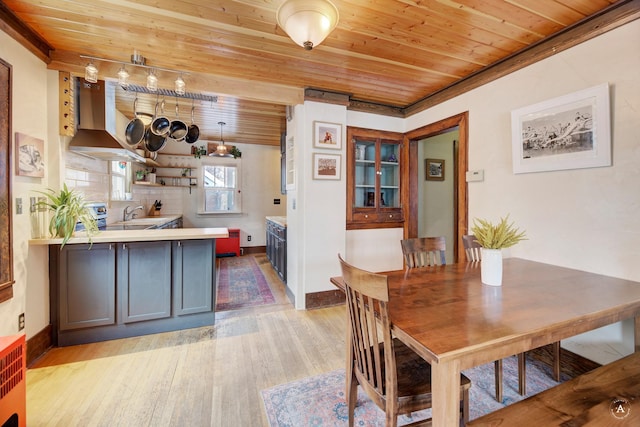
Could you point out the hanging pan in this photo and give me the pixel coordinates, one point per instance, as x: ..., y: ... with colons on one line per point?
x: 178, y: 129
x: 134, y: 132
x: 153, y: 142
x: 193, y: 133
x: 160, y: 124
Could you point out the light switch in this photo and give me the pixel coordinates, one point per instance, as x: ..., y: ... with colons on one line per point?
x: 18, y: 205
x: 475, y: 176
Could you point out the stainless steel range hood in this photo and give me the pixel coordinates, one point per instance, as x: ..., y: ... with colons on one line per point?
x: 95, y: 106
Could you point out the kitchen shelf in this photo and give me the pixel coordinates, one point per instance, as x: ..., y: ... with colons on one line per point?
x: 174, y: 167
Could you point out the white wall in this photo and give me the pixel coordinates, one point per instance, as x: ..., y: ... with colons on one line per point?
x: 30, y: 115
x: 587, y: 218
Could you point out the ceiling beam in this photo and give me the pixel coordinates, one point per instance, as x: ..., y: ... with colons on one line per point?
x: 23, y: 34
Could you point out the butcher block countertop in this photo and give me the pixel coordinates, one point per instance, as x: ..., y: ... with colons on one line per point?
x: 140, y: 236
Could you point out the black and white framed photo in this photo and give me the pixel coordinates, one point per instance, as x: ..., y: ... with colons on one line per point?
x: 568, y: 132
x: 434, y: 169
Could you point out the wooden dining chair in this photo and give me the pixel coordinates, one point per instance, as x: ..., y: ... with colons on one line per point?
x: 396, y: 378
x: 472, y: 250
x: 424, y: 251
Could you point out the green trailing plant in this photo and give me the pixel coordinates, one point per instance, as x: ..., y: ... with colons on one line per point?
x: 496, y: 236
x: 198, y: 152
x: 68, y: 208
x: 235, y: 152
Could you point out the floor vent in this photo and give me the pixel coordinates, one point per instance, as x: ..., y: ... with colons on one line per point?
x: 13, y: 381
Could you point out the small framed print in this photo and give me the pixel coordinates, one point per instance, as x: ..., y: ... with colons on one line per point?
x: 29, y: 156
x: 326, y: 166
x: 434, y: 169
x: 327, y: 135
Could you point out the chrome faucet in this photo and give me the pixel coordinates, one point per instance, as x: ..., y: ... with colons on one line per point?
x: 129, y: 213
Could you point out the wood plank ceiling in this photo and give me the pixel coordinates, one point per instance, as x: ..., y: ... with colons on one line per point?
x: 394, y: 54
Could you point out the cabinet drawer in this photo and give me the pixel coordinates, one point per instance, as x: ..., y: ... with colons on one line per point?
x: 380, y: 216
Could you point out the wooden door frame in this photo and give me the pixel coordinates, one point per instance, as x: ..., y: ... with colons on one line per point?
x: 461, y: 207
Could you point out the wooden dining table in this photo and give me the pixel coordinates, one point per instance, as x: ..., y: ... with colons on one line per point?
x: 455, y: 322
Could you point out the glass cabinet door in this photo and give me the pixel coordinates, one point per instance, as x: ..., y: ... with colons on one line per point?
x: 374, y: 179
x: 365, y: 171
x: 389, y: 175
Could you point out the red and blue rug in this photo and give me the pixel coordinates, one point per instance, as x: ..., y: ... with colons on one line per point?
x: 241, y: 284
x: 319, y: 401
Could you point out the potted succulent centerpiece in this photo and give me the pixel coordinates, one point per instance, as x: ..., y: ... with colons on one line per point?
x: 68, y: 208
x: 493, y: 238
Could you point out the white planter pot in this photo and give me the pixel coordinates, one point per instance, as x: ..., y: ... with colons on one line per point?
x: 491, y: 267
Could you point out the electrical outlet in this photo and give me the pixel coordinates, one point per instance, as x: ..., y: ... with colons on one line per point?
x: 249, y: 238
x: 21, y: 322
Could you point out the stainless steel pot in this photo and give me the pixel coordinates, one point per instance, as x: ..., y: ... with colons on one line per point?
x: 193, y: 133
x: 134, y: 132
x: 153, y: 142
x: 160, y: 125
x: 178, y: 128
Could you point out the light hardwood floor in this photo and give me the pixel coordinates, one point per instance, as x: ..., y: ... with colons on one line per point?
x: 209, y: 376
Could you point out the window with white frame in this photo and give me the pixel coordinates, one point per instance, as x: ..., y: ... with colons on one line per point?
x: 221, y: 187
x: 120, y: 180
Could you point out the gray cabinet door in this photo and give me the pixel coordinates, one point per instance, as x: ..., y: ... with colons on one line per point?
x: 87, y: 286
x: 193, y: 276
x: 144, y: 280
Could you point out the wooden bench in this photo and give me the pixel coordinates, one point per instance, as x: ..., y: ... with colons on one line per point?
x: 605, y: 396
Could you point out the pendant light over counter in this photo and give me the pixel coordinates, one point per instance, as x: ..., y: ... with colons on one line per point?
x: 221, y: 149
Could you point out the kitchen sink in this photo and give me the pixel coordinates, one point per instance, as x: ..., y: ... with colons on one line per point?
x: 148, y: 220
x: 120, y: 226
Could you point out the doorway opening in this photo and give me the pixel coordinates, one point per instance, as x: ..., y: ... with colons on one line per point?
x: 452, y: 128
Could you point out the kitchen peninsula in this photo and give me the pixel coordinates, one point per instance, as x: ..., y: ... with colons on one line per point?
x: 131, y: 282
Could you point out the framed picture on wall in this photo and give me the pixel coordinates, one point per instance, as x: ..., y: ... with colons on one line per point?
x: 567, y: 132
x: 29, y: 156
x: 327, y: 135
x: 434, y: 169
x: 326, y: 166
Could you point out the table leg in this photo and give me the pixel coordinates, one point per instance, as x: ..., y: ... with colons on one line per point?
x: 445, y: 386
x: 637, y: 332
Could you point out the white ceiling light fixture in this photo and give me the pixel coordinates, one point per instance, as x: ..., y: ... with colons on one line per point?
x: 91, y: 73
x: 307, y: 22
x: 152, y: 81
x: 123, y: 77
x: 221, y: 149
x: 180, y: 85
x: 137, y: 61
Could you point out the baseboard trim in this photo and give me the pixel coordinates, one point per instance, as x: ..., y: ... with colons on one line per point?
x: 252, y: 250
x: 324, y: 299
x: 38, y: 345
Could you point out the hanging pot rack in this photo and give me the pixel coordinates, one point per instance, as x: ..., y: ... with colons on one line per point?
x: 171, y: 93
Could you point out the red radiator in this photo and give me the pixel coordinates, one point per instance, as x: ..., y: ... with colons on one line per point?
x: 229, y: 246
x: 13, y: 381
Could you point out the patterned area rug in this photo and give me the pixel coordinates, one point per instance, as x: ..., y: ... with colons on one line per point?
x: 241, y: 284
x: 320, y: 400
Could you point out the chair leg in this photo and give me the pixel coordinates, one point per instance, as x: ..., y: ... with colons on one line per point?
x: 522, y: 374
x: 465, y: 407
x: 352, y: 396
x: 498, y: 371
x: 556, y: 361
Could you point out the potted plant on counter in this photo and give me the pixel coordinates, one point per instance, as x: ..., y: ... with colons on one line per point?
x: 493, y: 238
x: 69, y: 208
